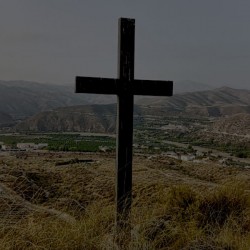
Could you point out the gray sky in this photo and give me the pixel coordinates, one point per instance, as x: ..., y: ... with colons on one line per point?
x: 54, y: 40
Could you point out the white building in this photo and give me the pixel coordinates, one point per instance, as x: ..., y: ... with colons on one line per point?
x: 6, y: 147
x: 31, y: 146
x: 26, y: 146
x: 188, y: 157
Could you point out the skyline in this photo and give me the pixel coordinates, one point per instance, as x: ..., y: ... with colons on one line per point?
x: 53, y: 41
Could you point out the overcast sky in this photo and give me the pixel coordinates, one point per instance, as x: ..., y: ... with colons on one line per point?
x: 52, y: 41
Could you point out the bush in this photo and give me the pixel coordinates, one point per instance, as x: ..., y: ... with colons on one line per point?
x: 225, y: 203
x: 216, y: 220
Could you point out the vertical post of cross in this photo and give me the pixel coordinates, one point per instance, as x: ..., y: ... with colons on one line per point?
x: 125, y: 121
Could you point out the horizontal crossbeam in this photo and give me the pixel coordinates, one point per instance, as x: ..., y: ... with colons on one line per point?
x: 152, y: 87
x: 95, y: 85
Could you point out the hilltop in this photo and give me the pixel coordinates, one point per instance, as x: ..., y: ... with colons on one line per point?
x: 67, y: 201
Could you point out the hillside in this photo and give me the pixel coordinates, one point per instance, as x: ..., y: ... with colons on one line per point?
x: 216, y: 97
x: 176, y: 204
x: 229, y: 134
x: 22, y: 99
x: 214, y: 103
x: 101, y: 118
x: 89, y: 118
x: 238, y: 124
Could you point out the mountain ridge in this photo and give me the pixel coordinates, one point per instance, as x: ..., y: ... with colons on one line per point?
x: 102, y: 118
x: 22, y: 99
x: 220, y: 96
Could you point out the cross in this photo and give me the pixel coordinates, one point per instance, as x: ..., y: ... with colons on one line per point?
x: 125, y: 87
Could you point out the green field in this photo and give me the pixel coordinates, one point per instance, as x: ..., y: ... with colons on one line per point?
x: 62, y: 142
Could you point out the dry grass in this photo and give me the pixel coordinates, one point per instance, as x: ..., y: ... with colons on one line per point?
x: 173, y: 206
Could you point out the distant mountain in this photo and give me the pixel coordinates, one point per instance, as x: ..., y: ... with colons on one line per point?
x: 101, y: 118
x: 22, y: 99
x: 218, y: 102
x: 220, y: 96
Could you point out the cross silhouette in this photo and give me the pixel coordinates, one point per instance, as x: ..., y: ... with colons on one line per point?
x: 125, y: 87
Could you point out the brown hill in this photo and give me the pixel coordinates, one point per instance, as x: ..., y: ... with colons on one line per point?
x: 89, y: 118
x: 238, y: 124
x: 214, y: 103
x: 217, y: 97
x: 23, y: 99
x: 101, y: 118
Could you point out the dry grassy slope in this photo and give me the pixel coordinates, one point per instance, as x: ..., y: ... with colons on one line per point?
x: 165, y: 194
x: 234, y: 129
x: 236, y: 124
x: 37, y: 178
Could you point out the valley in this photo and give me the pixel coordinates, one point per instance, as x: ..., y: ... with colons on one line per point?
x: 183, y: 138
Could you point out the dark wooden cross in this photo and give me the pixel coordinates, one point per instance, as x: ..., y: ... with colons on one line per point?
x: 125, y: 87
